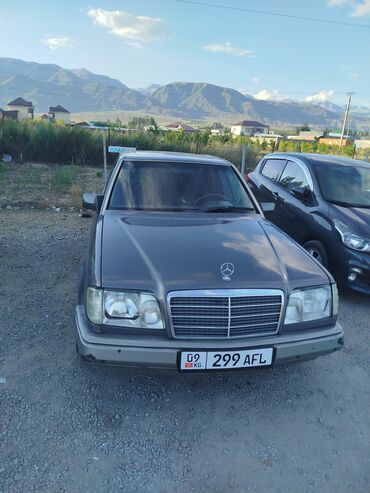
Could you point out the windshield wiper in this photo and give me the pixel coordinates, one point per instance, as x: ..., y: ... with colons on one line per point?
x: 348, y: 204
x: 228, y: 208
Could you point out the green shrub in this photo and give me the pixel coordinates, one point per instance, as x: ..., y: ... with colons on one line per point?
x: 2, y: 172
x: 62, y: 180
x: 36, y: 141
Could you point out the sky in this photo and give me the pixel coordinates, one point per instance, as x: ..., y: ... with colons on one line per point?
x: 141, y: 42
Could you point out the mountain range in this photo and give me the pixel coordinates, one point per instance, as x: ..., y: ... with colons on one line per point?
x: 80, y: 90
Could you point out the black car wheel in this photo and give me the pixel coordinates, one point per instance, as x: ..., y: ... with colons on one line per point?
x: 317, y: 250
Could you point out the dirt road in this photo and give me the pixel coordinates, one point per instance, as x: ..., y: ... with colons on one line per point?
x: 66, y: 426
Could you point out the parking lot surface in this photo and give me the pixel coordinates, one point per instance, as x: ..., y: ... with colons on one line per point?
x: 67, y: 426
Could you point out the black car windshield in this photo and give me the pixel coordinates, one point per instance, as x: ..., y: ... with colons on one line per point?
x: 170, y: 186
x: 348, y: 186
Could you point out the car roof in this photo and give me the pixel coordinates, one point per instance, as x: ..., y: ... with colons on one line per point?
x: 174, y: 157
x: 322, y: 159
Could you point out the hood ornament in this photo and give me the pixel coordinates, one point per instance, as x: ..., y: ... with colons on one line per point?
x: 227, y: 270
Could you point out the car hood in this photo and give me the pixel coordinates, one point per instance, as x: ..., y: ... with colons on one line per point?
x: 357, y: 219
x: 161, y: 252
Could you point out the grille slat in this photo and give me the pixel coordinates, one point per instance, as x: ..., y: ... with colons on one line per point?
x: 226, y: 316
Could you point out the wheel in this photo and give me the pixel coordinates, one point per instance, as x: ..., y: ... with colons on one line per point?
x: 317, y: 250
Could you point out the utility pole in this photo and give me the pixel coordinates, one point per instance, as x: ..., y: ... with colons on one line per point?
x: 244, y: 157
x: 349, y: 94
x: 105, y: 168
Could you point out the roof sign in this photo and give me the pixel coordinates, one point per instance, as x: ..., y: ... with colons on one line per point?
x: 119, y: 150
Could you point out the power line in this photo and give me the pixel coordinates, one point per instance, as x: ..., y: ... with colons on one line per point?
x: 276, y: 14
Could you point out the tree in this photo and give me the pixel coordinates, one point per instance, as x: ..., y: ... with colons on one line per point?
x: 304, y: 128
x: 139, y: 122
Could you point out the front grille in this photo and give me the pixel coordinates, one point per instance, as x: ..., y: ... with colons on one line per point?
x: 235, y: 313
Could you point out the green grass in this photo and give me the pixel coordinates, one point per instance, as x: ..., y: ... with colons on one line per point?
x: 39, y: 142
x: 62, y: 180
x: 32, y: 176
x: 2, y: 172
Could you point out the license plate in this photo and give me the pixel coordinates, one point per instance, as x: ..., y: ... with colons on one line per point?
x: 225, y: 360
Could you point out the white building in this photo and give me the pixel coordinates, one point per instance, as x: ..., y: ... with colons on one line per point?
x: 24, y: 109
x: 59, y: 113
x: 249, y: 127
x: 269, y: 138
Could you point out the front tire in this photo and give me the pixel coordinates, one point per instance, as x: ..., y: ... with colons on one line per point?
x: 317, y: 250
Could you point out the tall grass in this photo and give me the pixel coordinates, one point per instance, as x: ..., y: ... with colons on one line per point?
x: 36, y: 141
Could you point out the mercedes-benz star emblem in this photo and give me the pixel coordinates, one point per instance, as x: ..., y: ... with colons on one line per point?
x: 227, y: 270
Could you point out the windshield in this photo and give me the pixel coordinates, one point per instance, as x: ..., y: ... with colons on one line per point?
x: 178, y: 187
x: 348, y: 186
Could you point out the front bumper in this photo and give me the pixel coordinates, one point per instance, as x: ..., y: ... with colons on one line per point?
x: 346, y: 261
x: 162, y: 354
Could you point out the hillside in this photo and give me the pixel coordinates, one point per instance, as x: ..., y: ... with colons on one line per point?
x: 77, y: 90
x: 199, y: 100
x: 80, y: 90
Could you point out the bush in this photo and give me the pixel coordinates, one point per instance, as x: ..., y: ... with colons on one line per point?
x: 62, y: 180
x: 36, y: 141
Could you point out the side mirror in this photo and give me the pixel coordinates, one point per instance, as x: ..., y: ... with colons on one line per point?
x: 267, y: 206
x: 302, y: 193
x: 92, y: 201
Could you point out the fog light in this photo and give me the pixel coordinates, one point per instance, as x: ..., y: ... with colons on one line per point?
x: 352, y: 276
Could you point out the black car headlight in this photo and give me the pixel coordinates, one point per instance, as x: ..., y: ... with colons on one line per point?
x: 127, y: 309
x: 352, y: 240
x: 312, y: 304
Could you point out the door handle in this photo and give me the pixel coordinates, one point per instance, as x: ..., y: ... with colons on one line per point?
x: 275, y: 194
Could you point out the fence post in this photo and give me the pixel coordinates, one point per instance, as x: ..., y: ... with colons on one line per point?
x: 244, y: 157
x: 105, y: 159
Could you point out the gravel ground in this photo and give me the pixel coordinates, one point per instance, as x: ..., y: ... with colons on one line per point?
x: 67, y: 426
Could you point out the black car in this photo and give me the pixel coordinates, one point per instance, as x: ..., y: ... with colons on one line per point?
x: 322, y: 202
x: 183, y: 272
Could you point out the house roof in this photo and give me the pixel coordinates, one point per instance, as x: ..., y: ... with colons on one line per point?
x: 58, y: 109
x: 44, y: 116
x: 184, y: 126
x: 20, y: 102
x: 250, y: 123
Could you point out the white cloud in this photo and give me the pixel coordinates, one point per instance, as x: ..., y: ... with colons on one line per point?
x: 270, y: 95
x: 360, y: 8
x: 338, y: 3
x: 354, y: 75
x: 135, y: 29
x: 320, y: 97
x: 229, y: 49
x: 255, y: 80
x: 55, y: 43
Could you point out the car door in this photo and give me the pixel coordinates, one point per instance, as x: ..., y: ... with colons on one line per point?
x: 295, y: 201
x: 263, y: 182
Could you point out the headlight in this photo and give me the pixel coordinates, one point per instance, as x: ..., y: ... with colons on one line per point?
x: 94, y: 305
x: 121, y: 305
x: 352, y: 240
x: 132, y: 309
x: 310, y: 304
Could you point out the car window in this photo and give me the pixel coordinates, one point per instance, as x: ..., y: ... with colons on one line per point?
x: 177, y: 186
x: 348, y: 186
x: 272, y: 168
x: 294, y: 176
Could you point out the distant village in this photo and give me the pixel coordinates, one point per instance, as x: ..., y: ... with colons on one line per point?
x: 19, y: 110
